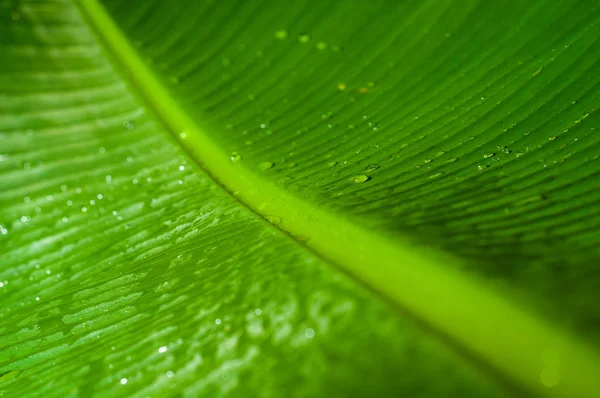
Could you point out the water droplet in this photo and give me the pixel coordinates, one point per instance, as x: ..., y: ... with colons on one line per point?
x: 235, y: 157
x: 124, y: 381
x: 169, y: 373
x: 451, y: 160
x: 537, y: 71
x: 218, y: 321
x: 550, y: 377
x: 309, y: 333
x: 25, y: 219
x: 258, y: 311
x: 265, y: 165
x: 488, y: 155
x: 331, y: 164
x: 341, y: 86
x: 273, y: 219
x: 440, y: 153
x: 281, y: 34
x: 371, y: 167
x: 304, y: 38
x: 321, y: 45
x: 436, y: 175
x: 359, y: 179
x: 427, y: 161
x: 163, y: 349
x: 129, y: 124
x: 552, y: 138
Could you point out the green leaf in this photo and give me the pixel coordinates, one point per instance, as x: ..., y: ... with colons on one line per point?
x: 305, y: 199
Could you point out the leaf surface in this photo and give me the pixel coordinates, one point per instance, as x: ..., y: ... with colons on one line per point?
x: 442, y: 155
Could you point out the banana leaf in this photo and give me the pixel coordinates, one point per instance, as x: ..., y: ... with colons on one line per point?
x: 266, y: 198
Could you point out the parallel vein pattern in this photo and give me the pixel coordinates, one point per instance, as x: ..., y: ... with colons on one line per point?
x: 124, y: 271
x: 473, y: 124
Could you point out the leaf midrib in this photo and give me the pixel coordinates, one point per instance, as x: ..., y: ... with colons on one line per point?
x: 478, y: 320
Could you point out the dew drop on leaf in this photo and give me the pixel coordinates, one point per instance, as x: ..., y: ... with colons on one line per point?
x: 488, y: 155
x: 550, y: 377
x: 265, y: 165
x: 304, y: 38
x: 281, y: 34
x: 360, y: 178
x: 129, y: 124
x: 371, y: 167
x: 273, y: 219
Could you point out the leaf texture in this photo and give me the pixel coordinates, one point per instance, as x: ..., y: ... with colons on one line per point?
x: 442, y: 154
